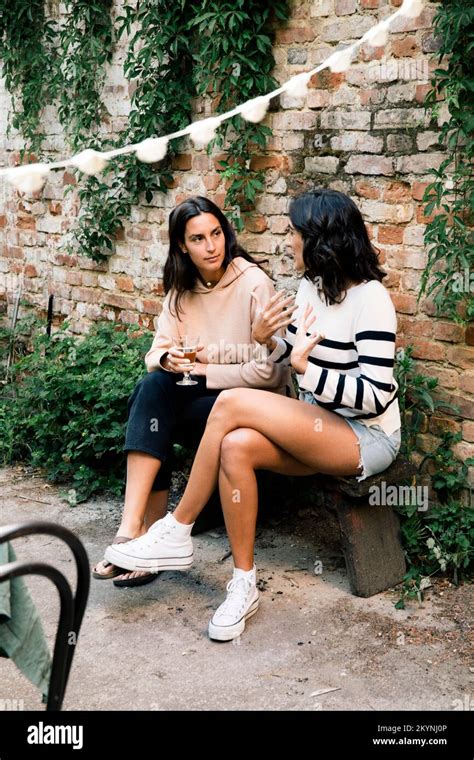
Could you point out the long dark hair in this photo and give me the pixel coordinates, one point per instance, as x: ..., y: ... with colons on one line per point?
x: 179, y: 273
x: 336, y: 243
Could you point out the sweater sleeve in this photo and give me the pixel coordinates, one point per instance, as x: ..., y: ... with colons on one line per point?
x: 373, y: 390
x: 166, y: 331
x: 259, y: 372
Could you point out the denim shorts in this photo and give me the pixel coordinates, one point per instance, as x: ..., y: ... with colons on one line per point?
x: 377, y: 449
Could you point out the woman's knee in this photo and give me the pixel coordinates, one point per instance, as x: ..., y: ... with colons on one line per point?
x: 237, y: 449
x: 227, y: 403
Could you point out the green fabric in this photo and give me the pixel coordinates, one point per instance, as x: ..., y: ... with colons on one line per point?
x: 21, y: 632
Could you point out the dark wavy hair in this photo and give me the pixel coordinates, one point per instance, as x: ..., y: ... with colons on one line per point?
x: 336, y: 243
x: 179, y: 273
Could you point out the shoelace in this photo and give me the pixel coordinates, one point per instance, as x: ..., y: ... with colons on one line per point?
x: 238, y: 589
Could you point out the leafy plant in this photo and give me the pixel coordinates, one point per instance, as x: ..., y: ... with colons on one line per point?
x: 448, y: 235
x: 85, y: 45
x: 65, y: 408
x: 415, y: 398
x: 27, y: 52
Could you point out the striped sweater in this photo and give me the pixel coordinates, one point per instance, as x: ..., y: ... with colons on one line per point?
x: 351, y: 371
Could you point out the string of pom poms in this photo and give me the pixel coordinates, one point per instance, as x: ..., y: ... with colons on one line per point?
x: 30, y: 178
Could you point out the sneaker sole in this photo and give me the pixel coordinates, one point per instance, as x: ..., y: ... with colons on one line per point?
x: 227, y: 633
x: 152, y: 565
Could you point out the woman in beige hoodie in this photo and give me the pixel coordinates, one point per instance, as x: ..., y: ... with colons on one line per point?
x: 212, y: 287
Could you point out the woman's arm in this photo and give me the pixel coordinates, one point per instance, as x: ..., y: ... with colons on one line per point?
x: 373, y: 390
x: 166, y: 332
x: 259, y: 371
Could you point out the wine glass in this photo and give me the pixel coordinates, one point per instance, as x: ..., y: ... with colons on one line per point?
x: 188, y: 345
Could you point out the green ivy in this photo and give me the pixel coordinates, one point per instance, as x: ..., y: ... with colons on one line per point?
x: 27, y: 52
x: 158, y: 64
x: 448, y: 237
x: 65, y: 408
x: 86, y: 45
x: 233, y: 63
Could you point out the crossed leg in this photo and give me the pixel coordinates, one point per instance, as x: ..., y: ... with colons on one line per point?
x: 295, y: 438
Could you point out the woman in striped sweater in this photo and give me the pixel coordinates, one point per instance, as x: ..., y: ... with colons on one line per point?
x: 346, y: 421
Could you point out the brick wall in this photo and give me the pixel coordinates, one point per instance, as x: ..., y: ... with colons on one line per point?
x: 363, y: 132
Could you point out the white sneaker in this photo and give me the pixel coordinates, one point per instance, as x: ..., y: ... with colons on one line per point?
x: 166, y: 546
x: 241, y: 603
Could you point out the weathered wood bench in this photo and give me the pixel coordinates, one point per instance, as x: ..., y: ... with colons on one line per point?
x: 370, y: 533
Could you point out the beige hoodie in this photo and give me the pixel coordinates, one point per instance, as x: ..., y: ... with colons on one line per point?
x: 223, y: 318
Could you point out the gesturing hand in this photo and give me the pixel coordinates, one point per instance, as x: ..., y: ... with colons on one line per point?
x: 272, y: 316
x: 304, y: 343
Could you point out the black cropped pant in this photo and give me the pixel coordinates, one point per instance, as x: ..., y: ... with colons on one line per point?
x: 161, y: 413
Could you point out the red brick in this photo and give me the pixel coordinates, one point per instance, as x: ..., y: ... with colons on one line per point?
x: 421, y: 92
x: 55, y: 208
x: 68, y: 178
x: 470, y: 335
x: 73, y: 278
x: 414, y: 327
x: 448, y: 331
x: 390, y: 234
x: 426, y: 349
x: 406, y: 47
x: 88, y: 295
x: 139, y: 233
x: 211, y: 181
x: 296, y: 34
x: 202, y: 163
x: 26, y: 223
x: 63, y: 258
x: 255, y: 223
x: 418, y: 190
x: 369, y: 4
x: 124, y: 283
x: 465, y: 405
x: 440, y: 425
x: 447, y: 378
x: 30, y: 271
x: 121, y: 302
x: 3, y: 220
x: 468, y: 431
x: 151, y: 307
x: 367, y: 190
x: 404, y: 303
x: 397, y: 191
x: 461, y: 357
x: 182, y: 161
x: 13, y: 252
x: 265, y: 162
x: 466, y: 382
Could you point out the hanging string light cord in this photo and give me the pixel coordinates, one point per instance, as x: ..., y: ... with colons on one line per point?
x: 30, y: 178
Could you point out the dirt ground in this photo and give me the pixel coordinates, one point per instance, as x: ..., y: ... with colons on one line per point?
x: 311, y: 646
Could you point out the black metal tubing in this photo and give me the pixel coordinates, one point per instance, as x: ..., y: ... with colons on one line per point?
x: 72, y: 607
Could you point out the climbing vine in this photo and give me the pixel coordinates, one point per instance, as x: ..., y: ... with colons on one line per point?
x: 85, y: 45
x: 158, y: 65
x: 28, y: 59
x: 233, y: 63
x: 448, y: 236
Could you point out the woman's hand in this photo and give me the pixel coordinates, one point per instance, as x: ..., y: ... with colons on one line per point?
x: 175, y: 361
x: 270, y: 318
x: 304, y: 343
x: 200, y: 369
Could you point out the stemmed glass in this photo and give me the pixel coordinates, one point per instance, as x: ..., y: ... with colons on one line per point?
x: 188, y: 345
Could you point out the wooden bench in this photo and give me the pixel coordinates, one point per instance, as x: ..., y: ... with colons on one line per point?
x: 370, y: 534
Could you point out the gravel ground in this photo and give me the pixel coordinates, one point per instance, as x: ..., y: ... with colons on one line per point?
x: 311, y: 646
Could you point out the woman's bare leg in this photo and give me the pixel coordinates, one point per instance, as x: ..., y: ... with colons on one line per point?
x: 242, y: 452
x: 141, y: 473
x: 312, y: 435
